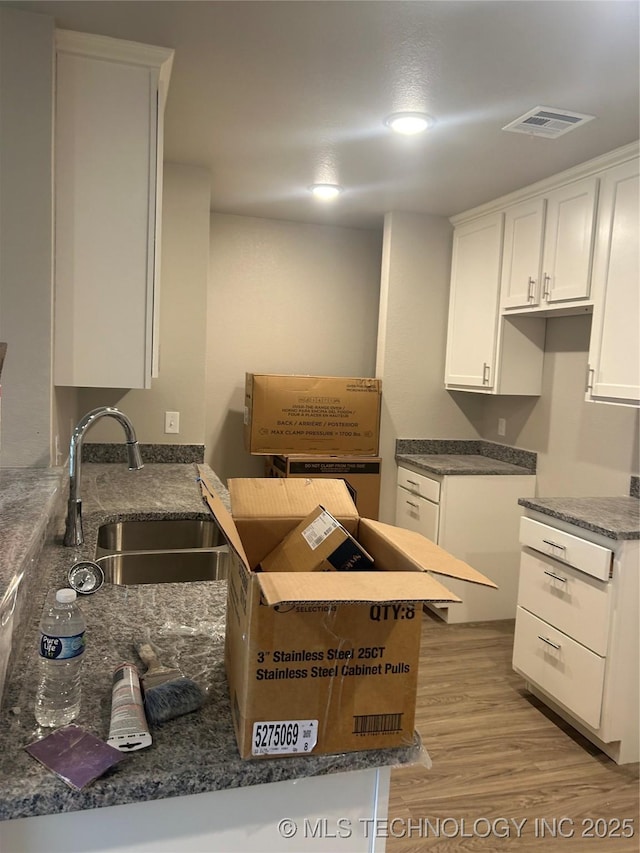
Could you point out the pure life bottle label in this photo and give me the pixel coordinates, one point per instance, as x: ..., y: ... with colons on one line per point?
x: 61, y: 648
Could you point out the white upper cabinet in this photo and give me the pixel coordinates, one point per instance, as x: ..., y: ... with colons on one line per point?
x: 569, y: 246
x: 487, y: 353
x: 614, y: 352
x: 473, y: 305
x: 109, y: 104
x: 524, y: 228
x: 548, y: 249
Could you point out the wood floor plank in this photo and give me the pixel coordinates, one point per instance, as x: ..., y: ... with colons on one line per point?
x: 502, y: 760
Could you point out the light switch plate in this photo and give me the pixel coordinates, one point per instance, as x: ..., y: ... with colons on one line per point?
x: 172, y: 422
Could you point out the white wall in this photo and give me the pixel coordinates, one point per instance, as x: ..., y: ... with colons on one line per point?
x: 411, y: 342
x: 26, y: 246
x: 180, y: 386
x: 584, y: 449
x: 283, y: 298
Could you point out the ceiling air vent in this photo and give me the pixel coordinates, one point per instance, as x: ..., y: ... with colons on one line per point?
x: 548, y: 122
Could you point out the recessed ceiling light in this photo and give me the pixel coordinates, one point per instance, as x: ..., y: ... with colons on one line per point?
x: 325, y: 191
x: 409, y: 123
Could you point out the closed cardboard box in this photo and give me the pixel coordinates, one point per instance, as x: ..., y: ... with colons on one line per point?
x: 360, y: 473
x: 323, y: 662
x: 311, y: 414
x: 318, y: 544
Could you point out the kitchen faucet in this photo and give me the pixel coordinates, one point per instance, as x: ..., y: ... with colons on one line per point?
x: 73, y: 534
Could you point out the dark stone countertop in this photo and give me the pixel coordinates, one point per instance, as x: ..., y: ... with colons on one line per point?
x: 464, y: 457
x: 613, y: 517
x: 191, y: 754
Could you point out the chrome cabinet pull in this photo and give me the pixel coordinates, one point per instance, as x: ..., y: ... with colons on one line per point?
x: 549, y: 643
x: 413, y: 483
x: 415, y: 506
x: 546, y: 287
x: 589, y: 381
x: 486, y: 372
x: 554, y: 544
x: 556, y: 577
x: 531, y: 293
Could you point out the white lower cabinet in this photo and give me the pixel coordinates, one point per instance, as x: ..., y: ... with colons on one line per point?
x: 576, y: 634
x: 475, y: 518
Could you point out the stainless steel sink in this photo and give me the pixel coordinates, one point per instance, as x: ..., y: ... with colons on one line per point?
x: 161, y: 535
x: 162, y: 551
x: 165, y: 566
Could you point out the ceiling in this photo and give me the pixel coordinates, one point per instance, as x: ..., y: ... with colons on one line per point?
x: 273, y: 96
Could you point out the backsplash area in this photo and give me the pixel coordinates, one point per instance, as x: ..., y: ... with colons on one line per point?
x: 151, y: 453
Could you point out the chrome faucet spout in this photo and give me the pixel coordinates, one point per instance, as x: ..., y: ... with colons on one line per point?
x: 74, y: 534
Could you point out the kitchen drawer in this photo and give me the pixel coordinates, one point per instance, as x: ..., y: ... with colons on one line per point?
x: 570, y: 600
x: 570, y: 673
x: 584, y: 555
x: 416, y: 513
x: 419, y: 485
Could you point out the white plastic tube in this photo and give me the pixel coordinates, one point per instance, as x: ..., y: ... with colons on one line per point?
x: 128, y: 730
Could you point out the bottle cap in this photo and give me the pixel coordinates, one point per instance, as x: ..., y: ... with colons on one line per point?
x: 65, y: 596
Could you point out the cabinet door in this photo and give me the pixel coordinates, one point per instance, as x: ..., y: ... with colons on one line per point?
x: 523, y: 234
x: 614, y: 353
x: 568, y: 242
x: 473, y: 303
x: 106, y: 143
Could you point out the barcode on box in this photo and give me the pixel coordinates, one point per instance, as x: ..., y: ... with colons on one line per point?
x: 375, y: 724
x: 319, y: 529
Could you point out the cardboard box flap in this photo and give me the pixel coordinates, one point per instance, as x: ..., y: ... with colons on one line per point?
x: 358, y: 587
x: 399, y: 550
x: 222, y: 516
x: 260, y: 497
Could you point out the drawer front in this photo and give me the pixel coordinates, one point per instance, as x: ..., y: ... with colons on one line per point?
x: 566, y: 670
x: 416, y: 513
x: 419, y: 484
x: 584, y: 555
x: 575, y: 603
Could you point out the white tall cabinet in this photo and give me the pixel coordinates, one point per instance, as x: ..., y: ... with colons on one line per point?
x: 614, y: 352
x: 109, y: 105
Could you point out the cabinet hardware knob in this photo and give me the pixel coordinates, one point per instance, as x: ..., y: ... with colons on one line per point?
x: 549, y: 643
x: 556, y: 577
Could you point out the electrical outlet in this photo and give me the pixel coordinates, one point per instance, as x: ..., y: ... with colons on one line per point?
x: 172, y: 422
x: 502, y: 426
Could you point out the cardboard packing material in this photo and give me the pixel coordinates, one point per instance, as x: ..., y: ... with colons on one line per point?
x: 360, y: 473
x: 323, y: 662
x: 318, y: 544
x: 311, y: 414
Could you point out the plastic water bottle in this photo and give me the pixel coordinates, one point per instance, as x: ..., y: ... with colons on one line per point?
x: 62, y: 643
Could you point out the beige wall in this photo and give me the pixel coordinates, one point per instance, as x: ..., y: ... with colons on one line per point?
x: 183, y: 318
x: 26, y: 245
x: 411, y: 343
x: 283, y: 298
x: 583, y: 448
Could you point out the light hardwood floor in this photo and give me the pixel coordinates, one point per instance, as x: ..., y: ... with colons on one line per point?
x: 499, y: 756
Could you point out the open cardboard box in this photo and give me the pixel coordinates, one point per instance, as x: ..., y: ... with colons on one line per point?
x: 323, y: 662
